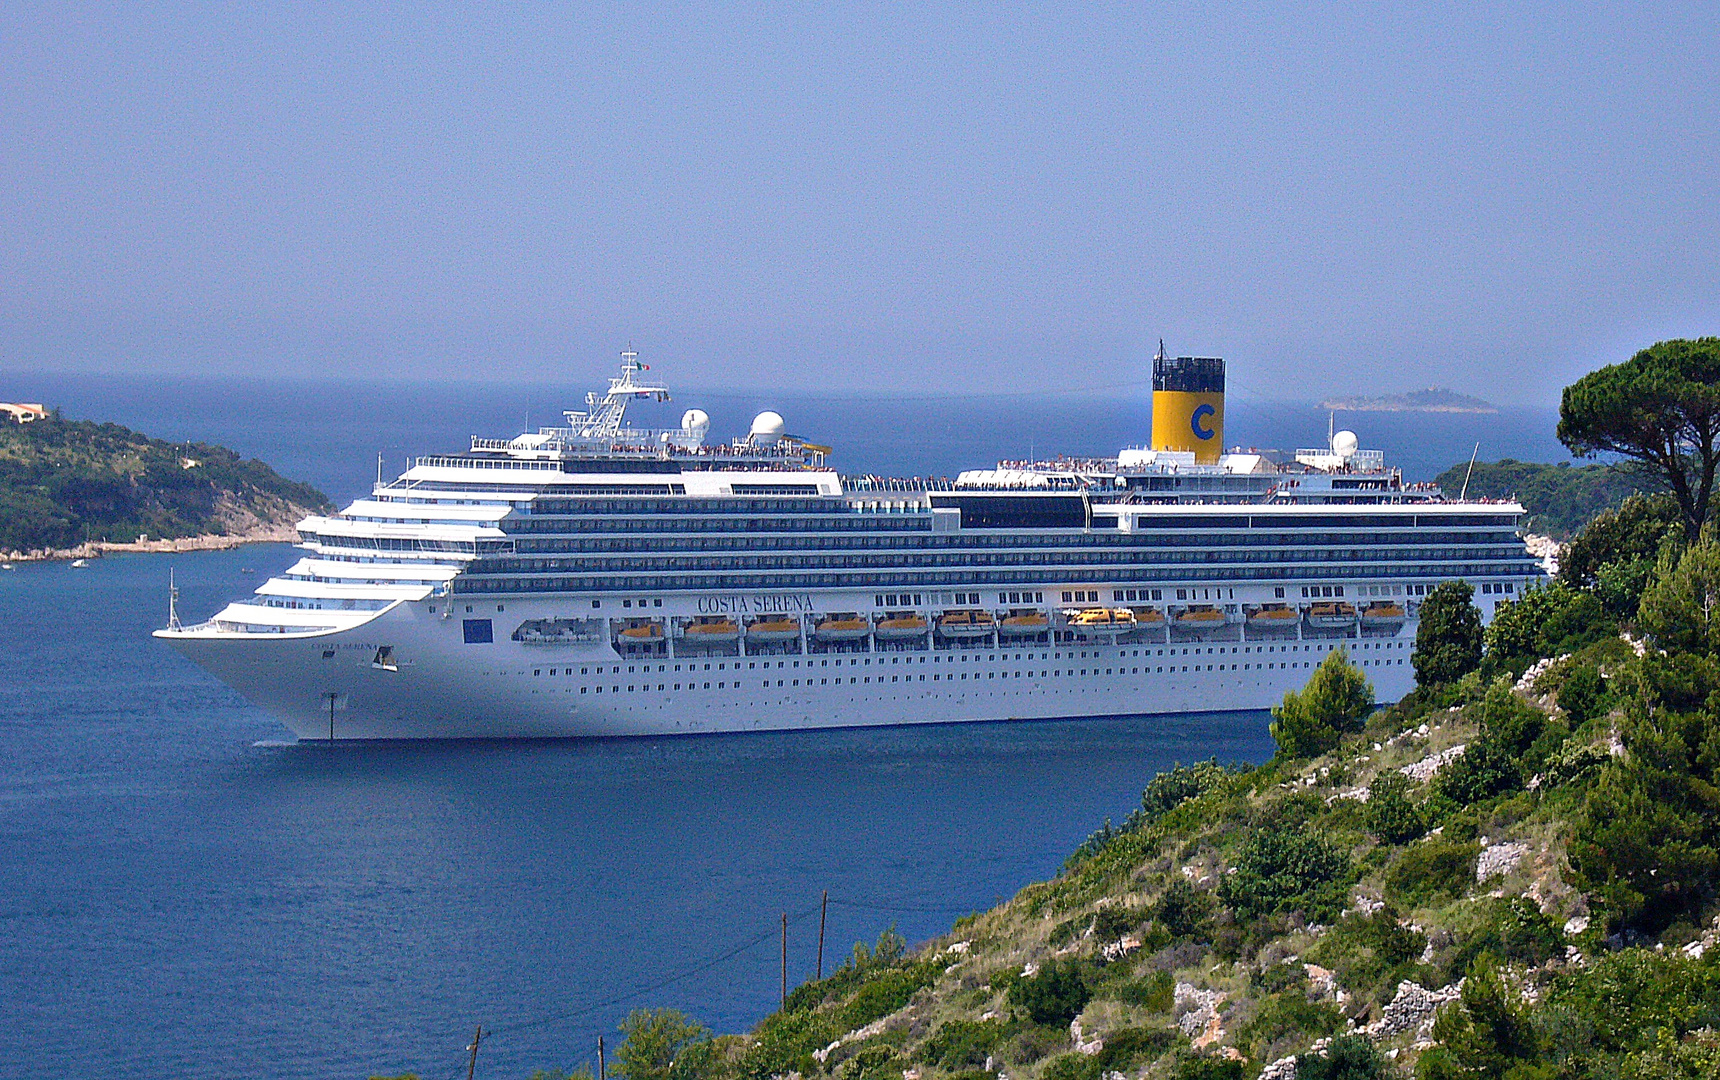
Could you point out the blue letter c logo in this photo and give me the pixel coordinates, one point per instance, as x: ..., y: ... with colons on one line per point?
x: 1201, y: 413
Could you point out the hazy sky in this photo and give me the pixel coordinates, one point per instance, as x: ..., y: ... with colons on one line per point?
x: 906, y: 197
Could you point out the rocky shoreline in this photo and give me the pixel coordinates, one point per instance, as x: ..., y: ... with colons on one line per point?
x: 261, y: 534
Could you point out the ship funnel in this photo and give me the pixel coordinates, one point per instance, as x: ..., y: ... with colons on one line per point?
x: 1188, y: 405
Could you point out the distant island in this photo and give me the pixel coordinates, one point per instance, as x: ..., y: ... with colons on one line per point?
x: 1430, y: 400
x: 75, y: 487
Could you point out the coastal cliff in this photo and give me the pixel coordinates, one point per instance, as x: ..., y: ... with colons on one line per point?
x: 70, y: 488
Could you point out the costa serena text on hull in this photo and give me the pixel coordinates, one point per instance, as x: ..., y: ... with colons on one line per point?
x: 595, y: 579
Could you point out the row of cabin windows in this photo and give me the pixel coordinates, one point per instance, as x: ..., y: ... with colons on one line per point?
x: 976, y: 658
x: 680, y: 583
x: 691, y: 668
x: 670, y: 561
x: 779, y: 532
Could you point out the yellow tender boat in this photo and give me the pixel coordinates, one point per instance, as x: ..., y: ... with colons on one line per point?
x: 1201, y: 618
x: 901, y: 625
x: 641, y: 630
x: 1021, y: 622
x: 1102, y: 622
x: 964, y: 623
x: 1273, y: 617
x: 1383, y: 615
x: 1332, y: 616
x: 712, y: 628
x: 842, y: 626
x: 773, y: 628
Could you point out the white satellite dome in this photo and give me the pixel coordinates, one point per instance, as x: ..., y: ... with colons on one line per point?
x: 1344, y: 444
x: 767, y: 427
x: 695, y: 421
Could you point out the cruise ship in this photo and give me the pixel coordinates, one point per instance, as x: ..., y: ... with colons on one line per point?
x: 594, y: 579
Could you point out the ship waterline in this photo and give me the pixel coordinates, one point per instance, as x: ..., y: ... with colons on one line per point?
x: 597, y: 580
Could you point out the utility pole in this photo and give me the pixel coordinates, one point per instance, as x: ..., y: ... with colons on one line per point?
x: 823, y: 910
x: 472, y: 1069
x: 332, y: 697
x: 785, y: 959
x: 601, y: 1071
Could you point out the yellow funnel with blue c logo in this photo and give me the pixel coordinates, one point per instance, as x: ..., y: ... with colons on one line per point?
x: 1188, y: 405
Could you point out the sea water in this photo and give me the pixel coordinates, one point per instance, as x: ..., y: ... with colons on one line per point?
x: 185, y: 893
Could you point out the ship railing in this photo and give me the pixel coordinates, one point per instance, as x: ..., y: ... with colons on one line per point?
x: 897, y: 484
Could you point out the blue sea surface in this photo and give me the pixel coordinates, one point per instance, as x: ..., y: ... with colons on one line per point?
x: 185, y: 893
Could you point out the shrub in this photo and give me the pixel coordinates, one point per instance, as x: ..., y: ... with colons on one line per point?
x: 1390, y: 814
x: 1291, y: 1014
x: 1170, y: 789
x: 662, y: 1044
x: 1279, y: 871
x: 1448, y: 639
x: 1123, y: 1048
x: 1484, y: 770
x: 1677, y: 606
x: 885, y: 992
x: 1581, y: 694
x: 1184, y: 911
x: 1644, y: 842
x: 1572, y: 762
x: 1197, y: 1066
x: 1616, y: 553
x: 1055, y: 995
x: 1484, y: 1034
x: 1431, y: 871
x: 1545, y: 621
x: 1154, y: 991
x: 1508, y: 722
x: 1333, y: 703
x: 963, y: 1043
x: 1350, y: 1057
x: 1514, y: 930
x: 1371, y: 953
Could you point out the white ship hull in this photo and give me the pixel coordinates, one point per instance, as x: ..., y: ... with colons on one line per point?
x: 601, y: 580
x: 439, y: 687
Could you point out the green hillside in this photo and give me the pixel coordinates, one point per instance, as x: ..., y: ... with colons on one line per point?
x: 64, y: 482
x: 1559, y: 498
